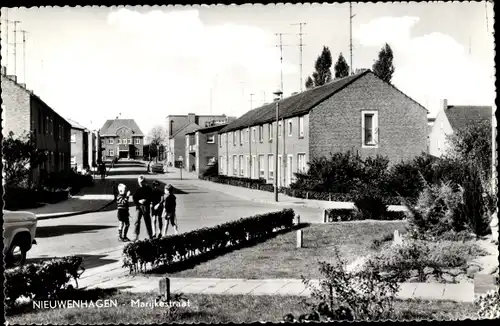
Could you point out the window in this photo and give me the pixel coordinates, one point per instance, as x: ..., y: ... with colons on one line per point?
x: 46, y: 125
x: 137, y: 141
x: 254, y: 134
x: 111, y: 153
x: 119, y: 141
x: 279, y: 129
x: 73, y: 138
x: 261, y: 133
x: 221, y: 171
x: 51, y: 126
x: 235, y: 167
x: 241, y: 137
x: 301, y: 127
x: 301, y: 163
x: 210, y: 160
x: 290, y: 127
x: 234, y: 138
x: 270, y: 164
x: 130, y: 141
x: 211, y: 139
x: 270, y: 131
x: 73, y: 160
x: 262, y: 173
x: 369, y: 128
x: 242, y: 164
x: 220, y: 142
x: 124, y: 141
x: 248, y: 135
x: 111, y: 141
x: 137, y: 153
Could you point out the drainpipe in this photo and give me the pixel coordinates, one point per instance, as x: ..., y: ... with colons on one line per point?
x: 249, y: 138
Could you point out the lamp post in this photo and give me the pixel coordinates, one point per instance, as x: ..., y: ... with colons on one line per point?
x: 277, y: 97
x: 180, y: 165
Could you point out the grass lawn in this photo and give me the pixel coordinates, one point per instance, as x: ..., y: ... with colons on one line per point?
x: 218, y: 309
x: 279, y: 258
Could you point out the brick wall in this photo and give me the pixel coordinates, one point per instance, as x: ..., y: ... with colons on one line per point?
x: 137, y: 146
x: 16, y: 102
x: 205, y: 150
x: 336, y: 124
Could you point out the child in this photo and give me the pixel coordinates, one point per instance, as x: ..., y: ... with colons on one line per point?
x: 169, y: 204
x: 123, y: 213
x: 157, y: 208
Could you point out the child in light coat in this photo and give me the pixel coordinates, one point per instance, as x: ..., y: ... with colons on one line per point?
x: 122, y: 201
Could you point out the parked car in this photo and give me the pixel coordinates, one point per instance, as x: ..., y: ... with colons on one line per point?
x: 157, y: 168
x: 18, y: 236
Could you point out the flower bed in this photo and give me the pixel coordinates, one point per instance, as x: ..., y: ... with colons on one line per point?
x: 173, y: 249
x: 40, y: 281
x: 352, y: 214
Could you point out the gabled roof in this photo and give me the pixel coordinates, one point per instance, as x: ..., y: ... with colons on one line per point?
x: 208, y: 129
x: 460, y: 116
x: 76, y: 125
x: 187, y: 128
x: 294, y: 105
x: 111, y: 126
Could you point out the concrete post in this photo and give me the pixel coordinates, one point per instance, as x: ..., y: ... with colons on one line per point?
x: 298, y: 220
x: 325, y: 216
x: 165, y: 288
x: 299, y: 238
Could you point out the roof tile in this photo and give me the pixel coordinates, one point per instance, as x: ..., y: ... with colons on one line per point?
x: 460, y: 116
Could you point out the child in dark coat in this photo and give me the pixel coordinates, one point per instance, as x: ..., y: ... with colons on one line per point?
x: 169, y: 206
x: 122, y: 200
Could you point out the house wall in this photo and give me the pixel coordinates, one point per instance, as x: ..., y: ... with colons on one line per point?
x: 288, y: 145
x: 136, y: 149
x: 15, y: 108
x: 336, y: 124
x: 205, y: 150
x: 77, y: 149
x: 438, y: 144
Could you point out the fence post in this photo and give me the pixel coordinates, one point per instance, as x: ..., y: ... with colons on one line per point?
x: 329, y: 197
x: 165, y: 288
x: 325, y: 216
x: 298, y: 220
x: 299, y: 238
x: 307, y: 195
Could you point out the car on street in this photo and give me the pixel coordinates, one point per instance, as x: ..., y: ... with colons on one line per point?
x: 157, y: 168
x: 19, y: 229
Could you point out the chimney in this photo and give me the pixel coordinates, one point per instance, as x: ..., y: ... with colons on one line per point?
x: 4, y: 70
x: 14, y: 78
x: 191, y: 117
x: 444, y: 104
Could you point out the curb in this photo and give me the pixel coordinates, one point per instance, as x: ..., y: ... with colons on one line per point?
x: 59, y: 215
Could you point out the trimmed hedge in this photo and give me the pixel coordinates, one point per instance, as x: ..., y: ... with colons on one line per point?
x: 41, y: 281
x: 349, y: 214
x: 182, y: 247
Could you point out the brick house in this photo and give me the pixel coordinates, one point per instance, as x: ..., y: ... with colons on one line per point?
x: 121, y: 138
x: 79, y: 146
x: 23, y: 111
x: 451, y: 118
x: 359, y: 112
x: 179, y: 125
x: 202, y: 148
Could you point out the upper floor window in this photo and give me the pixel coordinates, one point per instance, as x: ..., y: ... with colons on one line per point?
x: 211, y: 139
x: 220, y: 142
x: 124, y: 141
x: 234, y: 138
x: 301, y: 127
x: 290, y: 127
x: 119, y: 141
x: 279, y: 129
x: 261, y: 133
x: 248, y: 135
x: 111, y: 141
x: 130, y: 141
x: 270, y: 130
x: 73, y: 138
x: 137, y: 141
x: 254, y: 134
x: 241, y: 137
x: 369, y: 125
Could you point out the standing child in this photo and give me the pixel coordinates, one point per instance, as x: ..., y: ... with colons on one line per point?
x: 122, y: 199
x: 156, y: 208
x: 169, y: 205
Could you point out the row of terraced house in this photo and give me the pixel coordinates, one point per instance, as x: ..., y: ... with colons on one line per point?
x: 360, y: 112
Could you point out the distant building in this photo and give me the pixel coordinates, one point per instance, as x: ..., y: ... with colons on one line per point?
x: 202, y: 148
x: 179, y: 125
x: 23, y: 111
x: 451, y: 118
x: 121, y: 138
x: 79, y: 146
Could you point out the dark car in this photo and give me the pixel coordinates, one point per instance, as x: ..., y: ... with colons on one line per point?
x: 157, y: 168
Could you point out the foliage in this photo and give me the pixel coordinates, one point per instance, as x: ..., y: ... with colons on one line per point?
x: 342, y: 295
x: 40, y: 281
x: 212, y: 170
x: 156, y: 137
x: 424, y: 258
x: 348, y: 214
x: 489, y: 305
x: 341, y: 67
x: 67, y: 179
x: 309, y: 83
x: 172, y: 249
x: 235, y: 181
x: 20, y: 157
x: 322, y: 73
x: 370, y: 202
x: 384, y: 67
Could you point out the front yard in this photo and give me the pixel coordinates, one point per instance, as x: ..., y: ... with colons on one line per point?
x: 218, y: 309
x: 279, y: 258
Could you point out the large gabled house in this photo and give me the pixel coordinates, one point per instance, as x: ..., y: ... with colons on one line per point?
x: 451, y: 118
x: 121, y: 138
x: 359, y: 112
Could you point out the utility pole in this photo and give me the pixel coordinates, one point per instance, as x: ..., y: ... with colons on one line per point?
x: 7, y: 22
x: 15, y: 22
x: 351, y: 16
x: 251, y: 101
x: 300, y: 46
x: 281, y: 45
x: 24, y: 55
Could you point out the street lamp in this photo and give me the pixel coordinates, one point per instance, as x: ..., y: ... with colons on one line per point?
x: 180, y: 165
x: 277, y: 97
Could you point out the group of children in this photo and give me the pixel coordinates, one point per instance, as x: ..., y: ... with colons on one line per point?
x: 163, y: 206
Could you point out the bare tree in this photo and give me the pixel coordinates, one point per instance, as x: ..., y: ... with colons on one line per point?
x: 156, y: 137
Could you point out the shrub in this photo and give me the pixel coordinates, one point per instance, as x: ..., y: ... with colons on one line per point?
x: 475, y: 204
x: 20, y: 198
x: 361, y: 295
x: 349, y: 214
x: 212, y: 170
x: 169, y: 250
x: 370, y: 203
x: 40, y: 281
x: 67, y: 179
x: 489, y: 305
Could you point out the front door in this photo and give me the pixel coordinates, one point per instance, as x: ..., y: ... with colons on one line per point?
x: 289, y: 169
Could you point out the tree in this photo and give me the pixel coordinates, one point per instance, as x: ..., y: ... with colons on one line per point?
x: 341, y: 67
x: 20, y: 158
x: 309, y: 83
x: 322, y: 75
x: 384, y: 67
x: 157, y: 136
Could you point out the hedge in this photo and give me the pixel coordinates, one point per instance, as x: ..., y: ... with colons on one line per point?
x: 41, y: 281
x: 349, y: 214
x: 170, y: 250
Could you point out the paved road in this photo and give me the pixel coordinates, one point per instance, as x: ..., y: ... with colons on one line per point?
x: 83, y: 234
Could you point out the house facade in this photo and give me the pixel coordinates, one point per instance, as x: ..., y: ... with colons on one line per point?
x: 202, y: 148
x: 360, y: 112
x: 121, y: 138
x: 79, y: 146
x: 23, y: 111
x: 179, y: 125
x: 451, y: 118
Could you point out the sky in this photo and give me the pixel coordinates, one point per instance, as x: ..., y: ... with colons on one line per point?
x: 96, y: 63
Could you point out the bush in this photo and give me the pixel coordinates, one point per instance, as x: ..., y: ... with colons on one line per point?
x: 20, y: 198
x: 361, y: 295
x: 67, y: 179
x: 212, y: 170
x: 370, y: 203
x: 349, y: 214
x: 40, y: 281
x: 169, y: 250
x: 489, y: 305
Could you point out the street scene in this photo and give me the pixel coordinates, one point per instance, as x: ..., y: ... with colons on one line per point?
x: 281, y: 163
